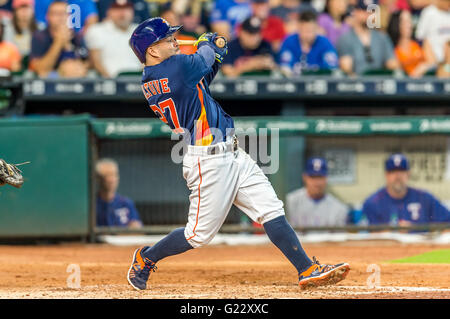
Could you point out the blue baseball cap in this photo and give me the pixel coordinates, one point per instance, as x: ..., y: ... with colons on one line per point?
x: 397, y: 162
x: 316, y: 166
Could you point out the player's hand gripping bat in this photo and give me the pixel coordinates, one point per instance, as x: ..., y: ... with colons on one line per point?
x: 217, y: 43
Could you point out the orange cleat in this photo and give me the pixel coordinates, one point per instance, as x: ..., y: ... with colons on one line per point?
x: 322, y: 275
x: 140, y: 270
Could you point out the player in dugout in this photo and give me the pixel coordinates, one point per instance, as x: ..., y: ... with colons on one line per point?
x: 312, y: 205
x: 113, y: 209
x: 398, y: 204
x: 218, y: 173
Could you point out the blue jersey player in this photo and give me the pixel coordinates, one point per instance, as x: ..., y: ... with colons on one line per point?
x: 218, y: 173
x: 398, y: 204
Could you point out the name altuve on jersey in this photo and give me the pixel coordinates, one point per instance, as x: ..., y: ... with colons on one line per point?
x: 155, y: 87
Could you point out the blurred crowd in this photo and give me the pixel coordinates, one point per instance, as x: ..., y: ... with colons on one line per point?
x: 79, y: 38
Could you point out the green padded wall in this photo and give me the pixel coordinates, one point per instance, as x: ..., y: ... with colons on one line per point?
x: 54, y: 200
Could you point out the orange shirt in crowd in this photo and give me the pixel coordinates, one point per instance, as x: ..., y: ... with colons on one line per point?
x: 186, y: 49
x: 411, y: 57
x: 9, y: 56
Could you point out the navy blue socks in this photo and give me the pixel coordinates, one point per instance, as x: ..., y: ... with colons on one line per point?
x: 285, y: 238
x: 278, y: 230
x: 173, y: 244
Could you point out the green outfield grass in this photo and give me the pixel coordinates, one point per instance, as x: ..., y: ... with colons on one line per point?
x: 441, y: 256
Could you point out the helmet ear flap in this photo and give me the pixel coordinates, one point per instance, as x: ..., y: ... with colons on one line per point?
x: 136, y: 49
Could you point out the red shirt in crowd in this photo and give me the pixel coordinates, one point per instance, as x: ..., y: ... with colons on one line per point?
x: 273, y: 29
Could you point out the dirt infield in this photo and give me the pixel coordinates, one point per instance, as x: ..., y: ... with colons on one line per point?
x: 218, y: 272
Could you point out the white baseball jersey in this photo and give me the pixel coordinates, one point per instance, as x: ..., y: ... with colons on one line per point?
x: 112, y: 44
x: 218, y: 181
x: 303, y: 211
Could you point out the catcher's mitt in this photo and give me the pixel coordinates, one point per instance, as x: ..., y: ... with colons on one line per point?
x: 10, y: 174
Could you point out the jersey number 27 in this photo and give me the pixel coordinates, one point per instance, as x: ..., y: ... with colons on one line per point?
x: 160, y: 109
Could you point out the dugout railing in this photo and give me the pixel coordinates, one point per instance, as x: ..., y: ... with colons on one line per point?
x: 235, y: 229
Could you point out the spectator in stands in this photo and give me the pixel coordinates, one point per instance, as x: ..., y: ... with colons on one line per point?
x: 58, y: 48
x: 108, y: 41
x: 141, y: 9
x: 169, y: 14
x: 365, y: 49
x: 249, y: 53
x: 312, y: 206
x: 332, y: 20
x: 6, y: 5
x: 411, y: 5
x: 81, y: 13
x: 226, y: 15
x: 415, y: 7
x: 5, y: 9
x: 9, y: 54
x: 398, y: 204
x: 318, y: 5
x: 192, y: 28
x: 433, y: 29
x: 444, y: 68
x: 191, y: 21
x: 383, y: 11
x: 272, y: 26
x: 408, y: 52
x: 289, y: 11
x: 113, y: 209
x: 20, y: 28
x: 306, y: 50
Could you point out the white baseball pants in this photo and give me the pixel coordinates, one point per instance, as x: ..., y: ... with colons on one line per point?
x: 218, y: 181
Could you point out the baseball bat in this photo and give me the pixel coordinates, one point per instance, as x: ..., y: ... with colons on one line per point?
x: 220, y: 42
x: 186, y: 42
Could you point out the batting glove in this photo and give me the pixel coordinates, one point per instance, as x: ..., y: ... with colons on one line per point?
x: 209, y: 40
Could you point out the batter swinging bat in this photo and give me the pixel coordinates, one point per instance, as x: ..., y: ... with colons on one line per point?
x: 220, y: 42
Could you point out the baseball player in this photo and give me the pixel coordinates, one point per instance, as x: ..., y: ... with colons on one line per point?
x: 399, y: 204
x: 218, y: 173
